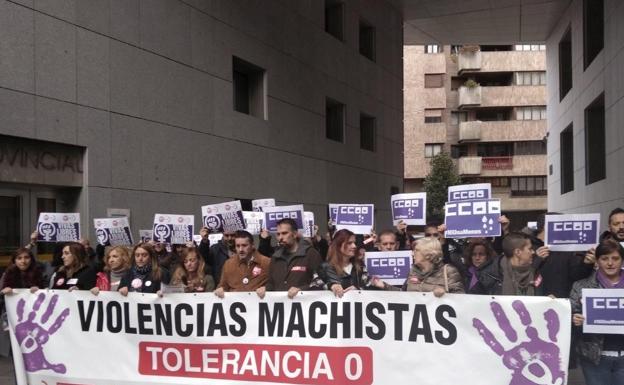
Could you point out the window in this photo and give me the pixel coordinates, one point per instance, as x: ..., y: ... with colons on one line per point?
x: 534, y: 147
x: 593, y: 30
x: 458, y: 117
x: 565, y: 64
x: 246, y: 204
x: 528, y: 186
x: 367, y: 132
x: 566, y: 146
x: 531, y: 113
x: 334, y: 18
x: 334, y: 120
x: 249, y: 83
x: 458, y: 151
x: 434, y: 80
x: 595, y: 151
x: 433, y: 48
x: 367, y: 40
x: 432, y: 150
x: 433, y: 115
x: 530, y: 47
x: 455, y: 49
x: 456, y: 82
x: 530, y: 78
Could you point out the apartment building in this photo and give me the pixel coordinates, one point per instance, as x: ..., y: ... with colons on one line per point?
x: 486, y: 106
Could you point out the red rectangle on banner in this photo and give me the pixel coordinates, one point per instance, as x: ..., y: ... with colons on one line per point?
x: 268, y: 363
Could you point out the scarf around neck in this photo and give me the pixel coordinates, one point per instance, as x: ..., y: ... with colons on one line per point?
x: 517, y: 280
x: 607, y: 284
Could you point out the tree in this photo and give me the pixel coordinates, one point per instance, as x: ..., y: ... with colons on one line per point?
x: 441, y: 176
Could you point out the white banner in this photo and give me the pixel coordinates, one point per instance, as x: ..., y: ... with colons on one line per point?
x: 58, y: 227
x: 223, y: 217
x: 146, y: 235
x: 411, y: 208
x: 215, y: 238
x: 308, y: 224
x: 258, y: 204
x: 113, y: 231
x: 367, y: 337
x: 254, y: 221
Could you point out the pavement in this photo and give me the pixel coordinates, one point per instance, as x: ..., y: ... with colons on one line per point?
x: 7, y: 373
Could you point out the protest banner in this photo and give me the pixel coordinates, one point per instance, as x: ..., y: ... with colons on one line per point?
x: 308, y: 224
x: 477, y: 218
x: 58, y: 227
x: 272, y: 215
x: 113, y: 231
x: 197, y: 238
x: 391, y: 267
x: 215, y: 238
x: 333, y: 210
x: 364, y: 338
x: 254, y: 221
x: 411, y: 208
x: 469, y: 192
x: 173, y: 229
x: 223, y: 217
x: 146, y: 235
x: 572, y: 232
x: 360, y: 219
x: 603, y: 310
x: 258, y: 204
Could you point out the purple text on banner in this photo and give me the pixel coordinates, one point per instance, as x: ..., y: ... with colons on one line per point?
x: 272, y: 215
x: 409, y: 208
x: 469, y: 192
x: 472, y: 218
x: 603, y: 310
x: 572, y: 232
x: 359, y: 219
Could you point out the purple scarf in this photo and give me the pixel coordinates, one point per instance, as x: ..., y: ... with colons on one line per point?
x: 473, y: 278
x: 607, y: 284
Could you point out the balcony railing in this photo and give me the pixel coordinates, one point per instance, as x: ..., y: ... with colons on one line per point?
x: 469, y: 96
x: 469, y: 61
x: 470, y: 131
x: 469, y: 165
x: 497, y: 163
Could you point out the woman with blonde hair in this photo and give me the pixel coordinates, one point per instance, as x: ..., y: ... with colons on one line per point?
x: 116, y: 265
x: 191, y: 273
x: 428, y: 272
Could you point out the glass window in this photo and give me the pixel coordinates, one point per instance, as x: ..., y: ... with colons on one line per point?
x: 535, y: 78
x: 432, y: 150
x: 543, y: 113
x: 527, y: 113
x: 542, y: 78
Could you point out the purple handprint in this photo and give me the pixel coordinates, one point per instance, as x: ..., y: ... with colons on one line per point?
x: 32, y: 335
x: 533, y: 361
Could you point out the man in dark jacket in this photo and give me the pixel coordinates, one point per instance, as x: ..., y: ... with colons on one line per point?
x: 216, y: 255
x: 295, y: 262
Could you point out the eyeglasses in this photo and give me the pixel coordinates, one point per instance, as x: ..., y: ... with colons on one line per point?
x: 432, y: 235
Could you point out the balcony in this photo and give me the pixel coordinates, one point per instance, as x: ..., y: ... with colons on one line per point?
x: 502, y: 96
x: 502, y: 131
x: 501, y: 61
x: 497, y: 163
x: 469, y: 96
x: 469, y: 165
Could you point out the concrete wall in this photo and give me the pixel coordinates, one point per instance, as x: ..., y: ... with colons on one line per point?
x: 605, y: 74
x: 146, y: 87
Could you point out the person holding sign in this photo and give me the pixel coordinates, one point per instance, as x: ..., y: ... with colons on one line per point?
x: 145, y: 276
x: 294, y: 264
x: 247, y: 270
x: 190, y: 273
x: 602, y: 356
x: 429, y: 273
x: 75, y: 272
x: 343, y: 270
x: 116, y: 265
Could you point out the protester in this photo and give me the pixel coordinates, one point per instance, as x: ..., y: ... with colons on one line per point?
x: 600, y: 355
x: 388, y: 241
x: 22, y: 273
x: 75, y: 272
x: 191, y: 273
x: 343, y: 270
x: 145, y: 275
x: 247, y: 270
x: 514, y: 272
x: 428, y: 273
x: 219, y: 253
x: 320, y: 243
x: 478, y: 255
x: 294, y: 263
x: 616, y: 225
x: 558, y: 269
x: 116, y: 265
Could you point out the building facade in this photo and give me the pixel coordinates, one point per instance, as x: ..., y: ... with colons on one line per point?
x: 167, y: 105
x: 486, y: 106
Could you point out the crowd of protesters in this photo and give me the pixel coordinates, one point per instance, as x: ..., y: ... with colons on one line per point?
x: 516, y: 263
